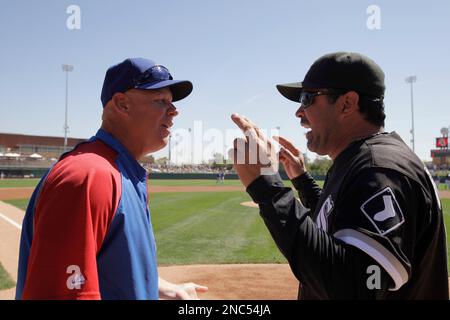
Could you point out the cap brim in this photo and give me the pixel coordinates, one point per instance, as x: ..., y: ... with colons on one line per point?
x: 180, y: 88
x: 291, y: 91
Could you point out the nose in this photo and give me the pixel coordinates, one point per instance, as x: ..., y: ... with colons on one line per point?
x: 172, y: 111
x: 300, y: 111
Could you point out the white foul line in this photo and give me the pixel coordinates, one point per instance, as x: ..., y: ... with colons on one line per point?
x: 15, y: 224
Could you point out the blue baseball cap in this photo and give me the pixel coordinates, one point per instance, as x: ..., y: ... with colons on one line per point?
x: 140, y: 73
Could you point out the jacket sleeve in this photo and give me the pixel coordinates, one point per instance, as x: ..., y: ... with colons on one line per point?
x: 71, y: 219
x: 308, y: 190
x: 331, y: 268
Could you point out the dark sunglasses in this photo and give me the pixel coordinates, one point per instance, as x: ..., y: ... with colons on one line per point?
x: 153, y: 74
x: 307, y: 98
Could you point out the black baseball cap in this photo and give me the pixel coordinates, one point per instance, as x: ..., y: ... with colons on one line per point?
x: 141, y: 73
x: 339, y: 70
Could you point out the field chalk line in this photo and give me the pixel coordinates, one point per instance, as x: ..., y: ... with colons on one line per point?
x: 15, y: 224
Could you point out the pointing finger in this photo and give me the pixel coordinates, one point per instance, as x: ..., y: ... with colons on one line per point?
x: 247, y: 127
x: 241, y: 122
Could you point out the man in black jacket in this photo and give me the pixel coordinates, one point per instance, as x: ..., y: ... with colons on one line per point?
x: 375, y: 230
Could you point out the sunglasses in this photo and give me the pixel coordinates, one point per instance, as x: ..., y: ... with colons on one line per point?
x: 153, y: 74
x: 307, y: 98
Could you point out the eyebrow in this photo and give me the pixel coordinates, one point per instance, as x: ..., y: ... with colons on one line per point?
x: 163, y: 95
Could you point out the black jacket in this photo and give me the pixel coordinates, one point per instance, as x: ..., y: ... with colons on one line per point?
x: 375, y: 231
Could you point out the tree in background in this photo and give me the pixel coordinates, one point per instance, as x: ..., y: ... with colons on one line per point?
x: 320, y: 166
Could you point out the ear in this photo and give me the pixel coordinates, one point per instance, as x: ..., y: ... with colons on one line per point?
x: 120, y: 102
x: 349, y: 103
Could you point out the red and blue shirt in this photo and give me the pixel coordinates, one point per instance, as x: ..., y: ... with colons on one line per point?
x: 87, y: 232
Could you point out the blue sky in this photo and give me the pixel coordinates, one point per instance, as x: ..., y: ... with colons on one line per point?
x: 233, y: 51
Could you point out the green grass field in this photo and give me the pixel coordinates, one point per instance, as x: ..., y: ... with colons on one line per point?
x: 213, y: 222
x: 210, y: 228
x: 5, y: 280
x: 446, y: 210
x: 206, y: 228
x: 18, y: 183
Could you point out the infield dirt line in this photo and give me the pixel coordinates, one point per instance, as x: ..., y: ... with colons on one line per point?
x: 15, y: 224
x: 10, y: 227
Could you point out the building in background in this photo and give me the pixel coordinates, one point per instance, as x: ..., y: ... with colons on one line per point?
x: 30, y: 156
x: 25, y: 145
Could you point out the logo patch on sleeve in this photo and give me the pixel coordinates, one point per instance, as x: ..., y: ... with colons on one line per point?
x: 383, y: 211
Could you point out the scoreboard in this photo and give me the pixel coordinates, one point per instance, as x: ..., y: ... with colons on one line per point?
x: 442, y: 142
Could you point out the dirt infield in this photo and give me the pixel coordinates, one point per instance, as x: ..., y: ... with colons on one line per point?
x: 237, y: 281
x: 15, y: 193
x: 445, y: 194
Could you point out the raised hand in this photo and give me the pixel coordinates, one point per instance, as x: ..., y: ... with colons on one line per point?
x: 291, y: 158
x: 254, y: 155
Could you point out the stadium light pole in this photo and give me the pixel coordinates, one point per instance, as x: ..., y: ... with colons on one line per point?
x: 170, y: 147
x: 66, y: 68
x: 191, y: 145
x: 411, y: 80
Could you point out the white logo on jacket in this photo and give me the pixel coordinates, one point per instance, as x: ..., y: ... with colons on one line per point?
x: 388, y: 211
x: 383, y: 211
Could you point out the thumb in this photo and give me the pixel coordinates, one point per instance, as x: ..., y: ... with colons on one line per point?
x: 200, y: 288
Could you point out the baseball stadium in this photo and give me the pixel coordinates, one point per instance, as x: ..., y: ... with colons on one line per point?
x: 120, y: 105
x: 208, y: 231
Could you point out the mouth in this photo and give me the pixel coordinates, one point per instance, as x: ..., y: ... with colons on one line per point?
x: 166, y: 128
x: 305, y: 125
